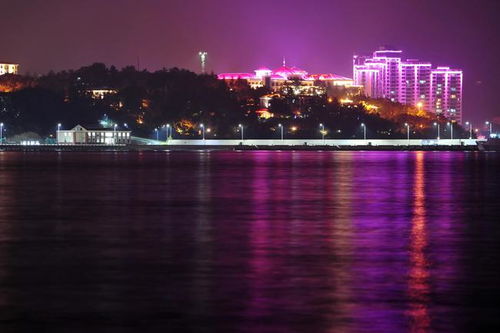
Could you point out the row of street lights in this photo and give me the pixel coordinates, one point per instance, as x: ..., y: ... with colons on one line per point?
x: 321, y: 126
x: 323, y: 132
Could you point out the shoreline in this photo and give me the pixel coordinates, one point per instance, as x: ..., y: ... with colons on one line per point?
x: 209, y: 147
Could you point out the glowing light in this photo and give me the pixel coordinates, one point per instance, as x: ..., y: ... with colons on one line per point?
x: 346, y: 101
x: 369, y: 107
x: 387, y: 75
x: 281, y: 75
x: 264, y: 114
x: 6, y: 68
x: 203, y: 60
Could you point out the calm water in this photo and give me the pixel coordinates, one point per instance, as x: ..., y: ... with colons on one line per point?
x: 250, y: 242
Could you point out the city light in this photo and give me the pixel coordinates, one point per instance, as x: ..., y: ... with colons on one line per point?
x: 240, y: 126
x: 203, y: 60
x: 364, y: 130
x: 470, y: 129
x: 281, y: 128
x: 408, y: 132
x: 279, y: 78
x: 169, y: 132
x: 387, y: 75
x: 490, y: 127
x: 438, y: 130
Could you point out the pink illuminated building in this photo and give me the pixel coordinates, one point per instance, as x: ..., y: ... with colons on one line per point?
x: 412, y: 82
x: 446, y: 92
x: 310, y: 84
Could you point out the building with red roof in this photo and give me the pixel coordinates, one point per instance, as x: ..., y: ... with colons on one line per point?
x: 285, y: 75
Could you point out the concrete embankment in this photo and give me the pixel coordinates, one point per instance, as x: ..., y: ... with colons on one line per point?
x: 207, y: 145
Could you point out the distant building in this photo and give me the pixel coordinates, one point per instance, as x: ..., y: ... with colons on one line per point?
x: 446, y: 92
x: 8, y: 68
x: 82, y: 135
x: 286, y: 77
x: 412, y: 82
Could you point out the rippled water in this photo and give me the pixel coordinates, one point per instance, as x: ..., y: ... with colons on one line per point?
x: 250, y: 242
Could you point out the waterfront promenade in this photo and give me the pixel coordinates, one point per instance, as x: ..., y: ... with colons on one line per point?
x: 141, y: 144
x: 319, y: 142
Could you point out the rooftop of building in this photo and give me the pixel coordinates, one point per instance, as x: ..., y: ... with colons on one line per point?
x: 281, y: 73
x: 94, y: 127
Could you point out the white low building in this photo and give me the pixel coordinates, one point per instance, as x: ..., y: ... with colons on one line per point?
x: 8, y: 68
x: 102, y: 136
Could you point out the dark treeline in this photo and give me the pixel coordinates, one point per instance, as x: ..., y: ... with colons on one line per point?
x: 147, y: 100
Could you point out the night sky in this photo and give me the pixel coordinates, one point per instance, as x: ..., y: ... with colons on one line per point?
x: 318, y: 36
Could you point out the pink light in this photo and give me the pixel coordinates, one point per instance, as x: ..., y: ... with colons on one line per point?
x: 235, y: 76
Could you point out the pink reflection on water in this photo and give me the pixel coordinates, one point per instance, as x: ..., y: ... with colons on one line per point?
x: 418, y: 283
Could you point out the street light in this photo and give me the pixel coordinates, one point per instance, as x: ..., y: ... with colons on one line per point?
x: 1, y: 133
x: 470, y: 129
x: 240, y: 126
x: 322, y: 132
x: 451, y: 129
x: 437, y: 124
x: 364, y: 130
x: 490, y: 124
x: 169, y: 135
x: 114, y: 132
x: 58, y: 129
x: 281, y: 128
x: 408, y: 132
x: 157, y: 134
x: 203, y: 131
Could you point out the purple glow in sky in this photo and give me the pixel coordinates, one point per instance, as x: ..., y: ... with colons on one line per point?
x: 319, y: 36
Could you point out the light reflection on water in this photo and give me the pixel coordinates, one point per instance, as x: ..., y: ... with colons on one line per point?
x: 249, y: 241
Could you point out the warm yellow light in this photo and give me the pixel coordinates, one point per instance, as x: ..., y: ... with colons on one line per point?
x: 346, y: 101
x: 369, y: 107
x: 264, y: 114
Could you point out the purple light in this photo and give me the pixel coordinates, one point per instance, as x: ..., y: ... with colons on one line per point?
x: 410, y: 82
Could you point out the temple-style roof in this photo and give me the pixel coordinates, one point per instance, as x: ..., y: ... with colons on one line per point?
x: 281, y: 73
x: 287, y: 71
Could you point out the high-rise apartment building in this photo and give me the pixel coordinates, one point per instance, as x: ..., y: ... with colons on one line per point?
x: 412, y: 82
x: 446, y: 92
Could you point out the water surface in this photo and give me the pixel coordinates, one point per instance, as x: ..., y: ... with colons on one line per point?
x: 250, y: 242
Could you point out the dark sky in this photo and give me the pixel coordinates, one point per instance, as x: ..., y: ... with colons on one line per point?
x: 317, y: 35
